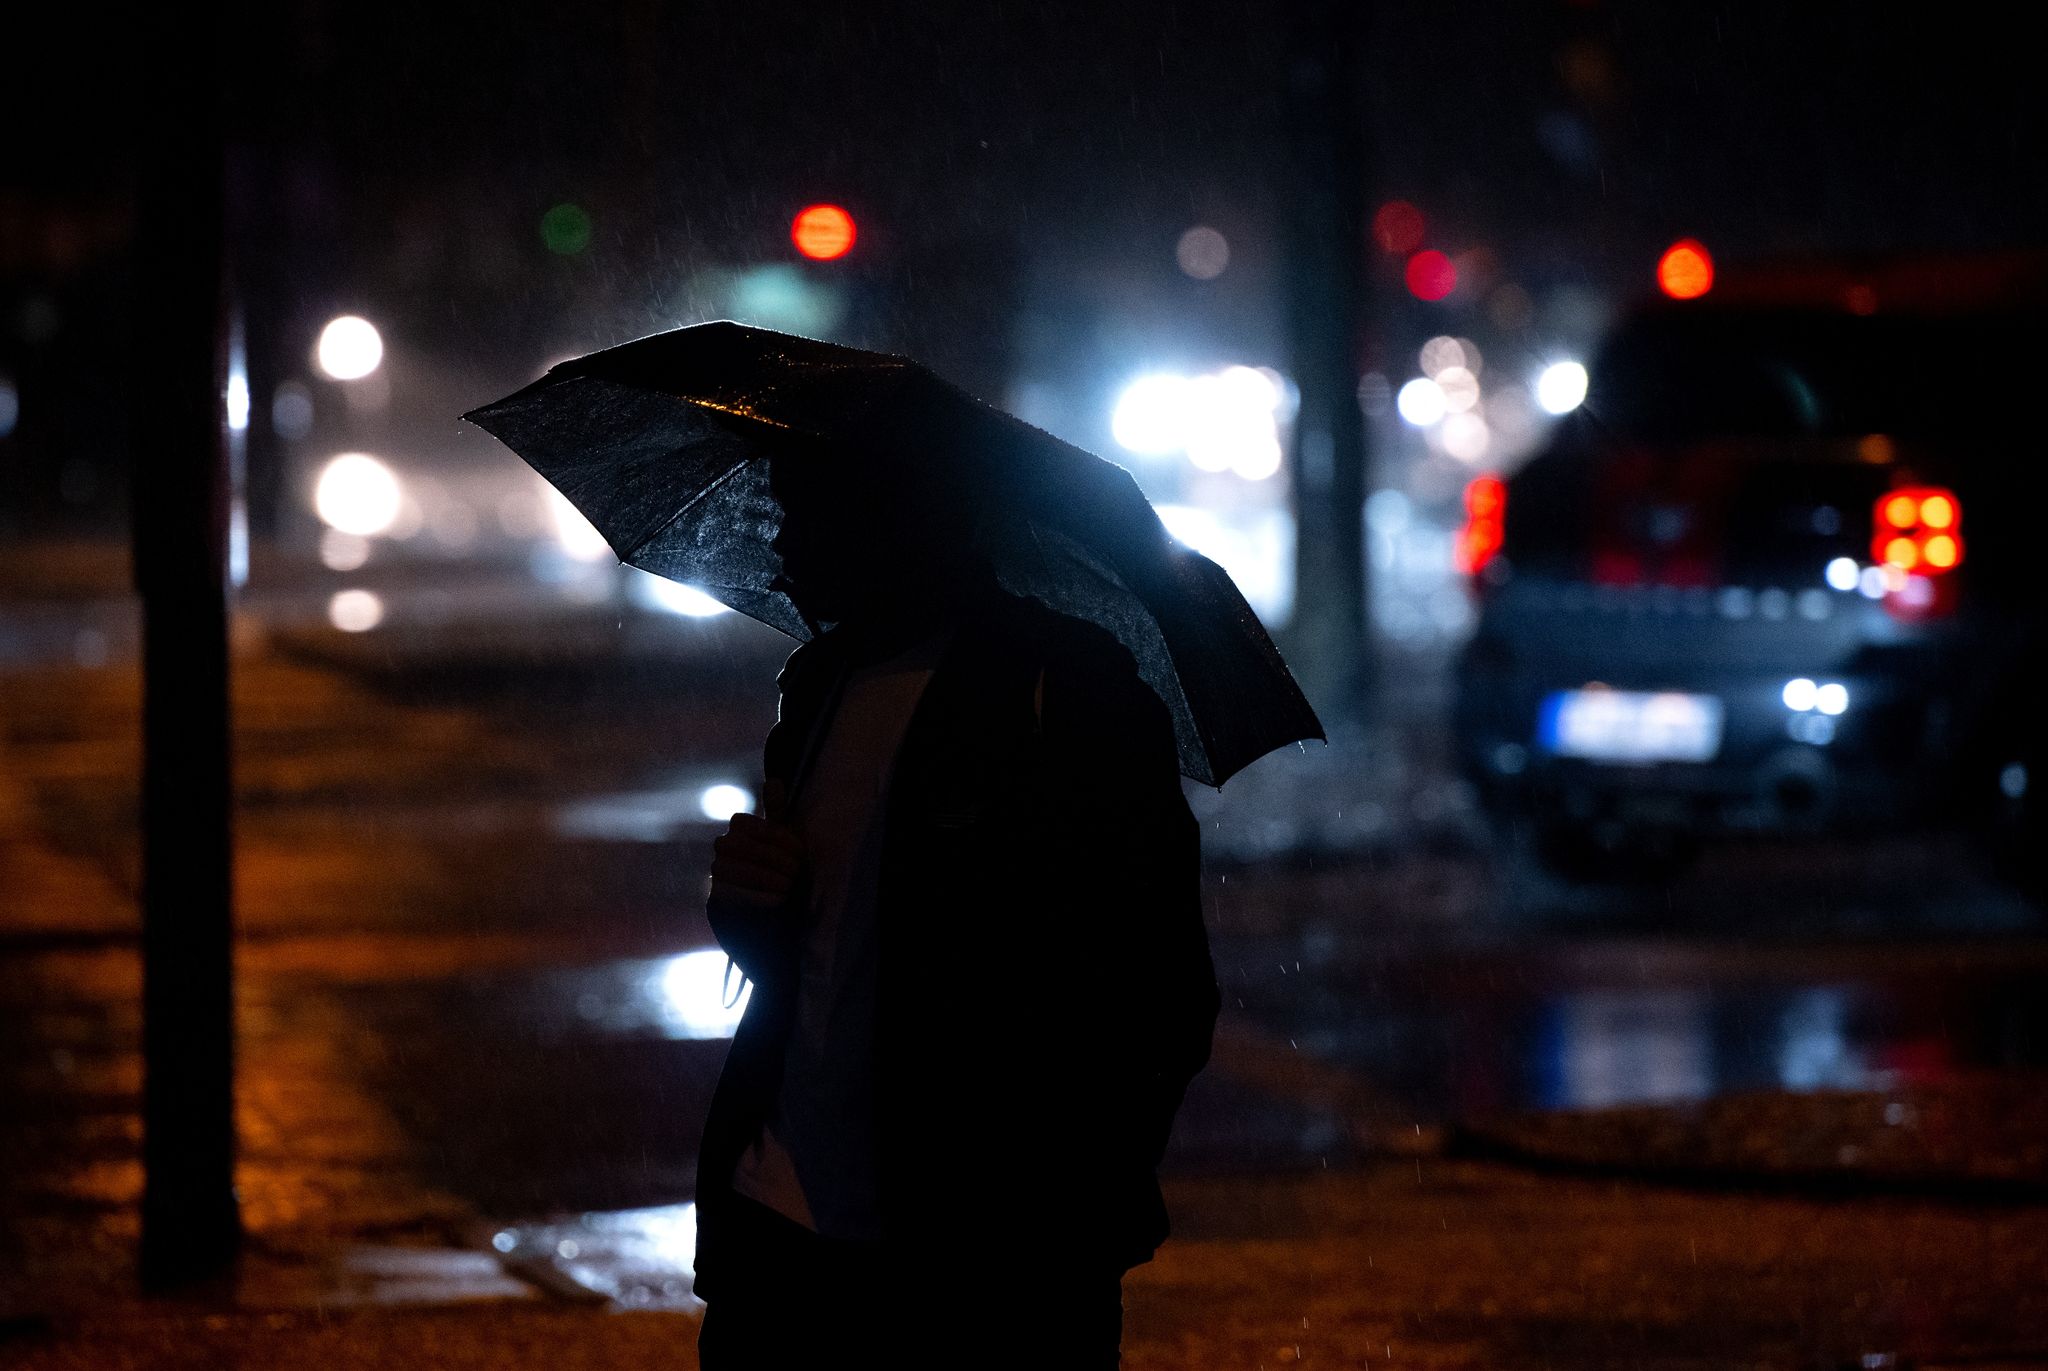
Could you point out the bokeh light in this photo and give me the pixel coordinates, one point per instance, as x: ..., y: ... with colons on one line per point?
x: 1397, y: 227
x: 291, y: 410
x: 822, y: 232
x: 1421, y: 402
x: 1255, y: 548
x: 1442, y: 353
x: 573, y: 533
x: 1430, y: 275
x: 565, y: 229
x: 720, y: 802
x: 1227, y: 420
x: 1150, y: 417
x: 349, y: 349
x: 1466, y: 437
x: 673, y: 597
x: 1561, y: 387
x: 343, y: 551
x: 355, y: 611
x: 702, y: 994
x: 1460, y: 388
x: 1685, y: 271
x: 358, y: 494
x: 1202, y: 252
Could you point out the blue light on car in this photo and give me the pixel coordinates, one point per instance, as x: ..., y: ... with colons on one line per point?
x: 1843, y: 573
x: 1817, y: 729
x: 1801, y: 694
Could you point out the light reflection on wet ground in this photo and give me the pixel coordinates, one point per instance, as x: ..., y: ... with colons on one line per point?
x: 638, y: 1258
x: 1576, y: 1026
x: 1429, y: 1040
x: 1460, y: 1030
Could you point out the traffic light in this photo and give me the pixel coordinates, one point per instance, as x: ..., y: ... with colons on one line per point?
x: 1686, y: 270
x: 822, y: 232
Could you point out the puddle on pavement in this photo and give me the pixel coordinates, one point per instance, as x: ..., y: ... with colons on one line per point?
x: 636, y: 1258
x: 1434, y: 1041
x: 1482, y: 1040
x: 1481, y: 1050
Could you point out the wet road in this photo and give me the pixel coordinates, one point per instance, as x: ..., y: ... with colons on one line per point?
x: 479, y: 1001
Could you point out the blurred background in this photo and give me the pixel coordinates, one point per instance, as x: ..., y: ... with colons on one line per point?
x: 1619, y: 414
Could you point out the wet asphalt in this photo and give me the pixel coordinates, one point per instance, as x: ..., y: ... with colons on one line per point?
x: 481, y: 1011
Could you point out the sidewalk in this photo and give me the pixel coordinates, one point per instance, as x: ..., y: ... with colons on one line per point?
x: 1418, y: 1263
x: 1316, y: 1223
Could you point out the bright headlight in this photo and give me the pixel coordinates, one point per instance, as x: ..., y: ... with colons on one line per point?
x: 358, y: 494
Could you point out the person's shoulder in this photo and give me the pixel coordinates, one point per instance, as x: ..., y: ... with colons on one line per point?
x: 1088, y: 682
x: 1029, y: 626
x: 1058, y: 646
x: 810, y: 658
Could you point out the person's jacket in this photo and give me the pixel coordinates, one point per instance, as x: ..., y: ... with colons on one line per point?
x: 1045, y: 990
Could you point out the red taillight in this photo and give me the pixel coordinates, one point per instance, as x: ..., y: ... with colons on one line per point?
x: 1916, y: 537
x: 1918, y: 529
x: 1486, y: 523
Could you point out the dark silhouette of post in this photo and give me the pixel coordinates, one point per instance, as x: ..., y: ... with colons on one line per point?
x: 190, y: 1218
x: 1325, y: 272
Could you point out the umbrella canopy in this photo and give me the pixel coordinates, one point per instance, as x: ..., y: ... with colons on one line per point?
x: 665, y: 445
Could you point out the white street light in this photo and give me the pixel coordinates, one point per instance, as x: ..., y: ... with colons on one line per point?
x: 1421, y: 402
x: 350, y: 348
x: 1561, y: 387
x: 358, y: 494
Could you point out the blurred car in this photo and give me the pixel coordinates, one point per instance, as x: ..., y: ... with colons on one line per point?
x: 1781, y: 572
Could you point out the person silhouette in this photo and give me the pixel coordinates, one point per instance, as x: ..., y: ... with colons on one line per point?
x: 970, y: 912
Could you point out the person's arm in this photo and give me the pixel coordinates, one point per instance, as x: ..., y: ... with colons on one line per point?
x: 757, y: 881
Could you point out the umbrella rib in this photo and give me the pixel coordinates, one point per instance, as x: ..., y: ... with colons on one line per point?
x: 699, y: 498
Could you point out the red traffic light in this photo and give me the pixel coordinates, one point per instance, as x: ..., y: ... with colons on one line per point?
x: 1398, y: 228
x: 1686, y: 270
x: 1430, y: 275
x: 822, y: 232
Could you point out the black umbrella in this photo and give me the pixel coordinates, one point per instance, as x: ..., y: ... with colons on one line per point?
x: 664, y: 444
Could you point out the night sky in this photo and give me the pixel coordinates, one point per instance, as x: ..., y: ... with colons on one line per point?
x: 1006, y: 157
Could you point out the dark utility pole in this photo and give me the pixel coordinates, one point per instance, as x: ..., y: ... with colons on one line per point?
x: 1325, y: 248
x: 191, y: 1225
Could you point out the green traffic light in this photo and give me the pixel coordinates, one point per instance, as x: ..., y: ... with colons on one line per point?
x: 565, y: 229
